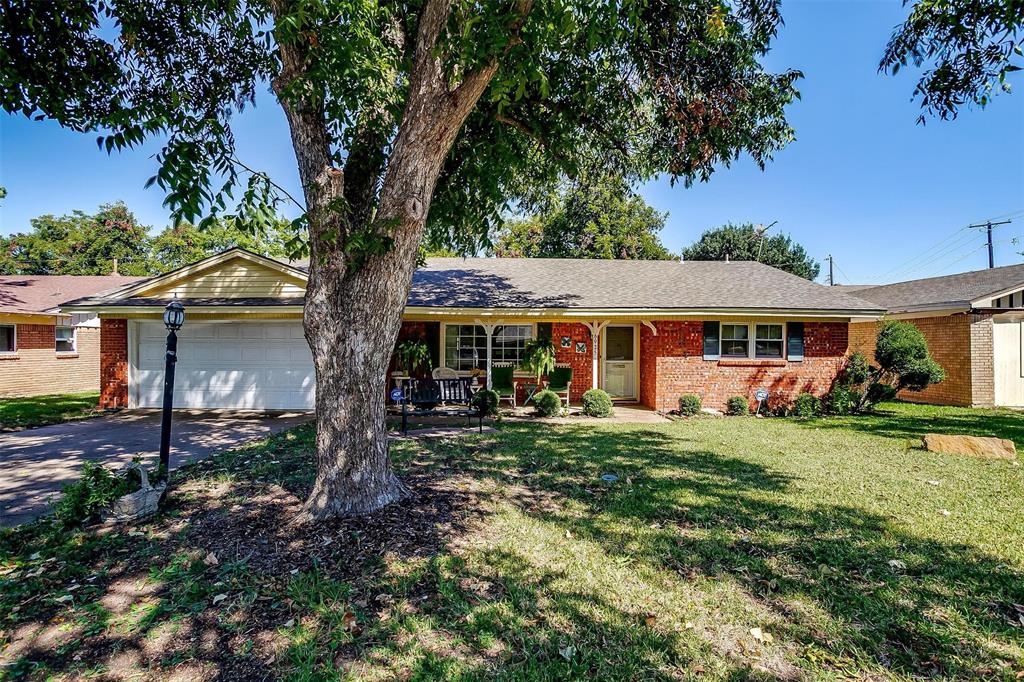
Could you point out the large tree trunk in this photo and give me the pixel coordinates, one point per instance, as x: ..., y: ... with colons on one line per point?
x: 354, y: 305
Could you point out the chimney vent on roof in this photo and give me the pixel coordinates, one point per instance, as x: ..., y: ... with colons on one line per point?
x: 114, y: 271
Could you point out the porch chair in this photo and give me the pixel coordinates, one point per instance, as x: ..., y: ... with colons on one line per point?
x: 504, y: 384
x: 444, y: 373
x: 559, y: 381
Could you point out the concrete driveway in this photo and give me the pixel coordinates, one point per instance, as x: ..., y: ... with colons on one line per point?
x: 36, y: 463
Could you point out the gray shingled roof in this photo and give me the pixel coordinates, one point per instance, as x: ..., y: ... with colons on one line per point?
x: 949, y: 290
x: 571, y: 283
x: 588, y: 284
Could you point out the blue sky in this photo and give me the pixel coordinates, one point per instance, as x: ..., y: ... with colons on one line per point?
x: 887, y: 197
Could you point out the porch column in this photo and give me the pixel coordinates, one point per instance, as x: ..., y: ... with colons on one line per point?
x: 595, y: 334
x: 489, y: 330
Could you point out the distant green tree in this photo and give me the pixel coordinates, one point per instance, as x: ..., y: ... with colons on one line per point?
x: 603, y: 219
x: 748, y: 242
x: 967, y: 49
x: 185, y: 243
x: 79, y: 244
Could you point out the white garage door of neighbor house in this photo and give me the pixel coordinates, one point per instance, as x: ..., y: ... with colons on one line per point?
x: 241, y: 365
x: 1009, y: 363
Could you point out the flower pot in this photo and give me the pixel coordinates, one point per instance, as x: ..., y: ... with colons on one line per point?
x: 139, y: 504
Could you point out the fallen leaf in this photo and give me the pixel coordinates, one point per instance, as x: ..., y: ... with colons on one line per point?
x: 290, y: 623
x: 897, y: 565
x: 651, y: 620
x: 65, y: 599
x: 761, y: 636
x: 349, y: 623
x: 219, y: 598
x: 211, y: 559
x: 689, y: 625
x: 945, y: 512
x: 35, y: 556
x: 935, y: 483
x: 567, y: 652
x: 568, y: 534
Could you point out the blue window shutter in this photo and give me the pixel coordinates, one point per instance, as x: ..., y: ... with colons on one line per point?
x: 711, y: 340
x: 795, y: 341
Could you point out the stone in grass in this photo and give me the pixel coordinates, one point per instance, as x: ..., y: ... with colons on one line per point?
x: 972, y: 446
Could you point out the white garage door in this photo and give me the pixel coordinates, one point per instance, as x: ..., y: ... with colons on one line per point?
x: 243, y: 365
x: 1009, y: 364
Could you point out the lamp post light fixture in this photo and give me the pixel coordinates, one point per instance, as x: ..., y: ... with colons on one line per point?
x: 174, y: 317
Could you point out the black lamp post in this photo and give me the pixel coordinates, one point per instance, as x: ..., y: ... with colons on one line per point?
x: 174, y: 317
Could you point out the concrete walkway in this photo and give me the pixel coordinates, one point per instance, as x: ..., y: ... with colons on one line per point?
x: 36, y: 463
x: 624, y: 414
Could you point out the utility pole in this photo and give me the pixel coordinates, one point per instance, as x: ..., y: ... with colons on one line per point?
x: 831, y: 275
x: 988, y: 225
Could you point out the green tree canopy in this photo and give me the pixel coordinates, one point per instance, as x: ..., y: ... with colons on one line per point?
x: 184, y: 243
x: 79, y: 244
x: 604, y: 219
x: 967, y: 49
x: 750, y: 242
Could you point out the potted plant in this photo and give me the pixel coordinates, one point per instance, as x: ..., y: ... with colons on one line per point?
x: 411, y: 356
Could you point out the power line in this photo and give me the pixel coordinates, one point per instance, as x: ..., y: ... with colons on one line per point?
x: 941, y: 244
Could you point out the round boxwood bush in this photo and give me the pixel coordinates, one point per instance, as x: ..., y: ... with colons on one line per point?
x: 597, y: 403
x: 737, y: 406
x: 487, y: 400
x: 689, y: 405
x: 547, y: 403
x: 806, y: 405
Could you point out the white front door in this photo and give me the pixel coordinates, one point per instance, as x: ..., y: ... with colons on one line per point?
x: 618, y: 348
x: 241, y: 365
x: 1009, y: 363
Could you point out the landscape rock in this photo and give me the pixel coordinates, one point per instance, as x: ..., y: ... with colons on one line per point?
x: 972, y: 446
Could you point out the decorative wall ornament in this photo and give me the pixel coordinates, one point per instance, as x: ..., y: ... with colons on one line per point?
x: 566, y: 342
x: 581, y: 347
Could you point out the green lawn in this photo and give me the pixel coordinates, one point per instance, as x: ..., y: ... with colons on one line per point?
x: 732, y: 548
x: 24, y: 413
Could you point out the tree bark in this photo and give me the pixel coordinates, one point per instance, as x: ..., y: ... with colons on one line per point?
x: 353, y: 311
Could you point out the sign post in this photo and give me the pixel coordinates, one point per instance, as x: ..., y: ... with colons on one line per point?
x: 760, y: 395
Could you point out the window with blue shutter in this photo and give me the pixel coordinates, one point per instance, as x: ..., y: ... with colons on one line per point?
x: 711, y: 340
x: 795, y: 341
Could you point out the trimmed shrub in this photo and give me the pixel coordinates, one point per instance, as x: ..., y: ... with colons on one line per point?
x: 84, y: 500
x: 806, y: 405
x: 841, y: 400
x: 597, y: 403
x: 547, y: 403
x: 689, y: 405
x: 737, y: 406
x: 487, y: 401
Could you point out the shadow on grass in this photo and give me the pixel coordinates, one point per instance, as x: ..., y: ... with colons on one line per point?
x: 422, y: 591
x: 909, y: 604
x: 23, y: 413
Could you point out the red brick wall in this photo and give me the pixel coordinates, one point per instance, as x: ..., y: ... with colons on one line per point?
x: 36, y: 337
x: 582, y: 363
x: 672, y: 364
x: 113, y: 363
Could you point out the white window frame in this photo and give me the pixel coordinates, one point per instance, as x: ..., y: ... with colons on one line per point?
x: 74, y: 339
x: 781, y: 340
x: 14, y: 339
x: 752, y: 340
x: 722, y: 339
x: 462, y: 372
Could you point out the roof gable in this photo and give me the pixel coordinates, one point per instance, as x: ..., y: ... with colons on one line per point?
x: 235, y: 273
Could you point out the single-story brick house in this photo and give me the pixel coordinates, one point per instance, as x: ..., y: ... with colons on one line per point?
x: 41, y: 350
x: 645, y: 331
x: 972, y: 322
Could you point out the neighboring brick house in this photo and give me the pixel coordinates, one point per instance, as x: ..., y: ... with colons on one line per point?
x: 972, y: 322
x: 42, y: 351
x: 645, y: 331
